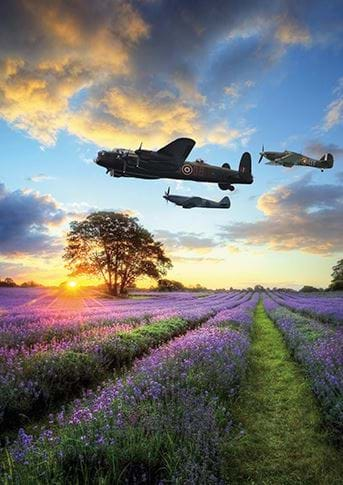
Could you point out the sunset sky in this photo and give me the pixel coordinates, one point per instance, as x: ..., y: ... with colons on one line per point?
x: 77, y: 76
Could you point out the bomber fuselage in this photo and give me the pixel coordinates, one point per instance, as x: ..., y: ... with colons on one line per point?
x: 152, y: 165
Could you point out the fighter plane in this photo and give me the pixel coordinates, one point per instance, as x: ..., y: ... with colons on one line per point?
x: 190, y: 202
x: 170, y: 162
x: 289, y: 159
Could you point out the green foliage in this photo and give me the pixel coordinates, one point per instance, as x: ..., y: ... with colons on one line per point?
x: 169, y: 285
x: 114, y: 247
x: 125, y: 346
x: 308, y: 289
x: 337, y: 271
x: 8, y: 283
x: 337, y: 276
x: 336, y: 285
x: 62, y: 375
x: 53, y: 377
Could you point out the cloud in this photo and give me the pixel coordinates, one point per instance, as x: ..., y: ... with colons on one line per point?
x: 199, y: 259
x: 233, y: 249
x: 51, y: 51
x: 317, y: 149
x: 25, y: 221
x: 334, y: 112
x: 236, y: 90
x: 299, y: 216
x: 291, y: 32
x: 123, y: 71
x: 185, y: 240
x: 40, y: 177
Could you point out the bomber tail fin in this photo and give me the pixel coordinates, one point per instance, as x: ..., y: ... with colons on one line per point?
x: 327, y: 160
x: 245, y: 167
x: 245, y: 163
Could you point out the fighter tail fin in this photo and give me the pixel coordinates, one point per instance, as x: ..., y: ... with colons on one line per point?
x: 328, y: 160
x: 225, y: 202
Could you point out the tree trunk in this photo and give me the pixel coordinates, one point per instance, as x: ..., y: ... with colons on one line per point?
x: 112, y: 289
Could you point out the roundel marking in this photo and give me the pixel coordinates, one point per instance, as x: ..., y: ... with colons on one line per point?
x: 187, y: 169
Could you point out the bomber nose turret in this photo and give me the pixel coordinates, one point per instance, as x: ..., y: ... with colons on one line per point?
x: 99, y: 160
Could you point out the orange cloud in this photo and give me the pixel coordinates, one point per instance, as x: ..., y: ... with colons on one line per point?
x: 291, y: 32
x: 299, y: 216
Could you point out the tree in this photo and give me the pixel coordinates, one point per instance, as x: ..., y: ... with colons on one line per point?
x: 337, y: 276
x: 8, y: 283
x: 30, y: 284
x: 115, y: 247
x: 308, y: 289
x: 170, y: 285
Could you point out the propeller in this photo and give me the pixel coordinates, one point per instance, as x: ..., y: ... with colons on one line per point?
x: 137, y: 153
x: 166, y: 194
x: 262, y: 154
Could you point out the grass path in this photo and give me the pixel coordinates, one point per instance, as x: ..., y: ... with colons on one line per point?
x: 281, y: 440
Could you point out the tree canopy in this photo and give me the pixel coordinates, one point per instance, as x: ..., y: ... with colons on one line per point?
x: 116, y: 248
x: 170, y: 285
x: 337, y: 276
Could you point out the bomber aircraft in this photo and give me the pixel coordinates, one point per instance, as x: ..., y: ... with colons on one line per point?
x: 170, y: 162
x: 190, y: 202
x: 289, y: 159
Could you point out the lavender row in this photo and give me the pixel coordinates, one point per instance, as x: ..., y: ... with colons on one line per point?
x: 31, y: 382
x: 162, y: 423
x: 319, y: 348
x: 27, y: 326
x: 328, y: 309
x: 90, y: 339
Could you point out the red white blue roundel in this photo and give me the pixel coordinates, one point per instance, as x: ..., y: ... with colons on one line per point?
x: 187, y: 169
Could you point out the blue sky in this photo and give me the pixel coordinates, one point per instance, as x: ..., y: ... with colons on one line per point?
x: 233, y: 77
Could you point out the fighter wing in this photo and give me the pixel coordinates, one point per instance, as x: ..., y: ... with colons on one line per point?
x: 178, y: 149
x: 191, y: 202
x: 293, y: 158
x: 289, y: 159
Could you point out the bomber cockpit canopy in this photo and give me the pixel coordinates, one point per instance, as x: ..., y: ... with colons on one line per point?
x: 123, y: 151
x: 199, y: 160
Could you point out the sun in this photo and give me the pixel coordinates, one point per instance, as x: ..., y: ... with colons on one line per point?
x: 72, y: 284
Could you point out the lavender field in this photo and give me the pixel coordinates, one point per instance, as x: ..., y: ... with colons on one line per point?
x: 100, y: 390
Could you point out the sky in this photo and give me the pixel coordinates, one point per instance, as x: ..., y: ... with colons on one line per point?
x: 79, y: 76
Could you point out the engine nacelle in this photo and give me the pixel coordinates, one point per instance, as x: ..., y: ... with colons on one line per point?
x: 224, y: 186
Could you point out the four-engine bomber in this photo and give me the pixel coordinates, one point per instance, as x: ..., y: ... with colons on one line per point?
x: 170, y: 162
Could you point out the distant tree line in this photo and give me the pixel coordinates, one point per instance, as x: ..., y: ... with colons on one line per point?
x: 10, y: 283
x: 172, y: 285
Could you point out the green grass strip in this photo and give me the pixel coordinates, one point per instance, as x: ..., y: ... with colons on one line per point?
x: 281, y: 439
x: 60, y: 377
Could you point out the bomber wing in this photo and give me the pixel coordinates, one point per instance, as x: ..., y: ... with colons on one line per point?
x: 178, y: 149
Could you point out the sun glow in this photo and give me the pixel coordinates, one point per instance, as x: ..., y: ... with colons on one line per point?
x: 72, y: 284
